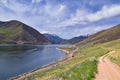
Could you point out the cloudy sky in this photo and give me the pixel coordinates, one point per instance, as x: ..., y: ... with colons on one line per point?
x: 66, y: 18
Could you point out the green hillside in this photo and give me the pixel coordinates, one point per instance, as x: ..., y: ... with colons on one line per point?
x: 83, y: 65
x: 18, y: 32
x: 104, y: 36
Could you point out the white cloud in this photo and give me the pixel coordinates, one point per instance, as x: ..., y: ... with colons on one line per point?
x: 47, y: 15
x: 105, y: 12
x: 54, y: 11
x: 36, y: 1
x: 44, y: 32
x: 61, y: 8
x: 49, y: 18
x: 3, y: 1
x: 17, y: 7
x: 88, y: 30
x: 84, y: 17
x: 77, y: 18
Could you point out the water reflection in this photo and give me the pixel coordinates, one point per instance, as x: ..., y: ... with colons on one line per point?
x: 17, y: 59
x: 8, y: 48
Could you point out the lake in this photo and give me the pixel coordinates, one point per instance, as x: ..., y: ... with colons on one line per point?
x: 18, y: 59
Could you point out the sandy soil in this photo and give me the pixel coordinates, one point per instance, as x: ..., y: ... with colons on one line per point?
x: 107, y: 70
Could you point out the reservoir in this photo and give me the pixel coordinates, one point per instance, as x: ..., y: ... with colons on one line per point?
x: 18, y: 59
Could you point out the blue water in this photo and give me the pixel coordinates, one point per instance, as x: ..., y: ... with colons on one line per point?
x: 17, y: 59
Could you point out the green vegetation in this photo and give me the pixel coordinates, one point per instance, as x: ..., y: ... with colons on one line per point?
x: 114, y: 46
x: 9, y: 35
x: 20, y: 33
x: 82, y: 66
x: 83, y: 71
x: 5, y: 32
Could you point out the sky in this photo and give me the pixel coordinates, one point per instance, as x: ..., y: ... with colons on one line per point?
x: 65, y: 18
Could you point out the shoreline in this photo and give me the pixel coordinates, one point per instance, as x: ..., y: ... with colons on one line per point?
x: 68, y: 56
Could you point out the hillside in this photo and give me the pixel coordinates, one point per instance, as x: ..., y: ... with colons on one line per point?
x: 83, y: 64
x: 18, y: 32
x: 104, y: 36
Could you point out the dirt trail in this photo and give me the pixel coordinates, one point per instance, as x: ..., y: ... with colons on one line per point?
x: 107, y: 70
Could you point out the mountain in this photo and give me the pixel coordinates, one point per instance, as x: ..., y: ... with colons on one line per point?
x: 75, y: 39
x: 53, y: 38
x: 104, y: 36
x: 20, y: 33
x: 58, y: 40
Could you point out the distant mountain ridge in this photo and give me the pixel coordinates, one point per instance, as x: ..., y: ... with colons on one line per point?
x: 58, y: 40
x: 77, y: 39
x: 17, y: 32
x: 53, y: 38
